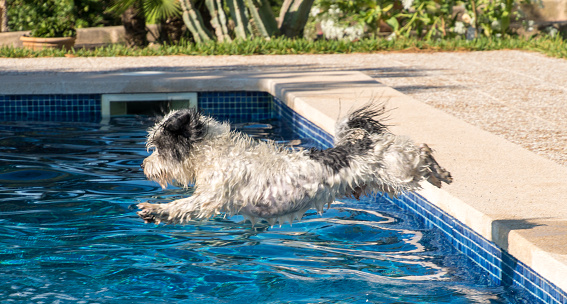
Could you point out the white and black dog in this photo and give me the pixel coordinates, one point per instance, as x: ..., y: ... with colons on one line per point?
x: 235, y: 174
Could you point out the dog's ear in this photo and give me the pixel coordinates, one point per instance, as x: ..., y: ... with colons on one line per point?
x: 180, y: 131
x: 186, y: 124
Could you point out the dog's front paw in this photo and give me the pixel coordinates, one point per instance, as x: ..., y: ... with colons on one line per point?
x: 149, y: 213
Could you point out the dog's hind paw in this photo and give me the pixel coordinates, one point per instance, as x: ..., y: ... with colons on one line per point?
x: 436, y: 174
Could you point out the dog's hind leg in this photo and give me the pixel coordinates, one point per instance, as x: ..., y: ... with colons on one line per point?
x: 436, y: 174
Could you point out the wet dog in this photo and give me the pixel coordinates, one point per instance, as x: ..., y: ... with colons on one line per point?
x: 235, y: 174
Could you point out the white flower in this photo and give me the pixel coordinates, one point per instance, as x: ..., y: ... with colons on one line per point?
x: 334, y: 10
x: 334, y: 30
x: 459, y: 28
x: 466, y: 18
x: 315, y: 11
x: 407, y: 4
x: 528, y: 25
x: 354, y: 32
x: 551, y: 31
x: 330, y: 30
x: 496, y: 25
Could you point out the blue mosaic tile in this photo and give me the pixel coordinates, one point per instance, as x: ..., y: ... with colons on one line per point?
x: 52, y: 107
x: 302, y: 126
x: 503, y: 268
x: 237, y: 106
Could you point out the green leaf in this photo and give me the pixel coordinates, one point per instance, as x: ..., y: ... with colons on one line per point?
x: 161, y: 9
x: 393, y: 22
x: 387, y: 7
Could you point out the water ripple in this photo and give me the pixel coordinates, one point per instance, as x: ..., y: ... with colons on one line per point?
x: 69, y: 234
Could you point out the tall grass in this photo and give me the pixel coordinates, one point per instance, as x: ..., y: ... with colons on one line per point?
x: 554, y: 47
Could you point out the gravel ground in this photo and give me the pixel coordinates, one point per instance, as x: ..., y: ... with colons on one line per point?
x: 517, y: 95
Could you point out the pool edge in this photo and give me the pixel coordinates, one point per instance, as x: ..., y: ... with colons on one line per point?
x: 500, y: 194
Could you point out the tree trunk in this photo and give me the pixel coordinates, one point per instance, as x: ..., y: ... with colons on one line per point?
x: 293, y: 17
x: 171, y: 30
x: 134, y: 23
x: 3, y: 16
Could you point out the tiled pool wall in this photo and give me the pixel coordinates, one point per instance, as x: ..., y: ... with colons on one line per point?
x: 237, y: 106
x: 232, y: 106
x: 302, y: 126
x: 52, y: 107
x: 502, y: 268
x: 87, y: 107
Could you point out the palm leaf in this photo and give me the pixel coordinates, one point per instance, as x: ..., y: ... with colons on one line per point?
x: 161, y: 9
x: 118, y: 7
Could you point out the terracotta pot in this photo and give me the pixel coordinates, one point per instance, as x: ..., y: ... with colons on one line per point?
x: 35, y: 43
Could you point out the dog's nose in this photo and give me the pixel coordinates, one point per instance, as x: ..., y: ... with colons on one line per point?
x: 142, y: 166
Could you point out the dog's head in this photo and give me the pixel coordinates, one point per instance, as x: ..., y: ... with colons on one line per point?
x: 172, y: 140
x: 174, y: 136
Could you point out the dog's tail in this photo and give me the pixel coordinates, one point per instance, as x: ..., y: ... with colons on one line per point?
x: 369, y: 118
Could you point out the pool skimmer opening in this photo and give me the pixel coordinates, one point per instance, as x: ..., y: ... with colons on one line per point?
x: 145, y: 103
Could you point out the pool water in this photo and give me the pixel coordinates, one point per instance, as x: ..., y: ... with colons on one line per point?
x: 69, y: 234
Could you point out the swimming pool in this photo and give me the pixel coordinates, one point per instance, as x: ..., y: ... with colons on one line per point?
x: 70, y: 235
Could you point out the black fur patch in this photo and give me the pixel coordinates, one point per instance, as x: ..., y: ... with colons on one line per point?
x: 340, y: 156
x: 365, y: 119
x: 179, y: 133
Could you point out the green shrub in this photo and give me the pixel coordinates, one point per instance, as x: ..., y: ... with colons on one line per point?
x: 93, y: 13
x: 494, y: 17
x: 422, y: 18
x: 58, y: 17
x: 48, y: 18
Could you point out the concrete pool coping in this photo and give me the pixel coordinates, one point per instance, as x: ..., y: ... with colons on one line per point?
x: 505, y: 193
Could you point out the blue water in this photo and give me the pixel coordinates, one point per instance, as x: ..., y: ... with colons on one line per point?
x: 69, y: 234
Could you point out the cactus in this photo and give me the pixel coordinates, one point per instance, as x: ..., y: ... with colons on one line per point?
x: 263, y: 18
x: 238, y: 14
x: 194, y: 22
x: 251, y: 18
x: 218, y: 19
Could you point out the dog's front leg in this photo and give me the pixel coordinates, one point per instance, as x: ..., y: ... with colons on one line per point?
x: 178, y: 211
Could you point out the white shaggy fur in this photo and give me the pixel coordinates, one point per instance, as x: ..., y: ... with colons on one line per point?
x: 235, y: 174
